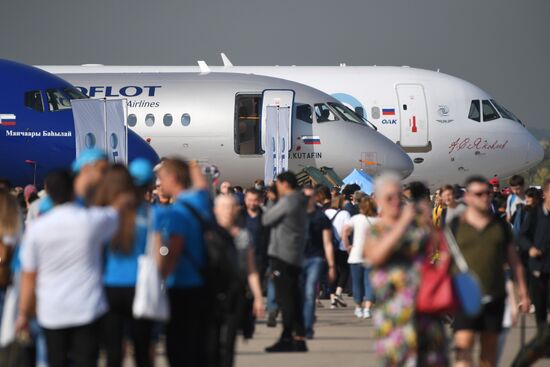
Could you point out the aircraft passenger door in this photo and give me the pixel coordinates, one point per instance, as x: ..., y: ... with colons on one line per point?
x: 276, y: 130
x: 414, y: 116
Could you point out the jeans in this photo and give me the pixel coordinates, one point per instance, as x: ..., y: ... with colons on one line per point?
x: 271, y: 300
x: 311, y: 273
x: 40, y: 341
x: 362, y: 289
x: 289, y: 297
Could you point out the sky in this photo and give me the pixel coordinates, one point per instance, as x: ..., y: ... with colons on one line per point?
x: 503, y: 46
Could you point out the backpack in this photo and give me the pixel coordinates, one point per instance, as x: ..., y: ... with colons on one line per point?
x: 517, y: 220
x: 221, y: 272
x: 336, y: 240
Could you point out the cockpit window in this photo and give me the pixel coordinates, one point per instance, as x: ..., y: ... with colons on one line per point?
x: 346, y: 113
x: 489, y: 111
x: 74, y: 93
x: 475, y: 111
x: 33, y: 99
x: 60, y: 99
x: 57, y: 101
x: 504, y: 112
x: 304, y: 113
x: 324, y: 114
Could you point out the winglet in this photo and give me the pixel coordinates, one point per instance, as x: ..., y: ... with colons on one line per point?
x: 226, y: 62
x: 203, y: 66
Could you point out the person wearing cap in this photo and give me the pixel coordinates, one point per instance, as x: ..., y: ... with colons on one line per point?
x: 89, y: 168
x: 121, y: 264
x: 62, y: 261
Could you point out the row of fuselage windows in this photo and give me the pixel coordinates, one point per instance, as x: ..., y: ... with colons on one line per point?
x: 167, y: 120
x: 490, y: 110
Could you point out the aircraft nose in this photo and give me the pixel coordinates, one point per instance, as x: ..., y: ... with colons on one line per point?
x: 398, y: 161
x: 535, y: 153
x: 388, y: 155
x: 139, y: 148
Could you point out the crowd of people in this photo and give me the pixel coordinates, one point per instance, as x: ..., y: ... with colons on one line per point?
x: 70, y: 258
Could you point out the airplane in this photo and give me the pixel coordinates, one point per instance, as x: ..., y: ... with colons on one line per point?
x: 450, y: 128
x: 36, y: 125
x: 215, y: 119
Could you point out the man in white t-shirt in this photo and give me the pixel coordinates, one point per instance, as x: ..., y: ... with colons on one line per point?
x: 516, y: 198
x: 61, y: 258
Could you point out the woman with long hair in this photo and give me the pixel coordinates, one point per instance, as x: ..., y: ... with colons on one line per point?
x: 338, y: 216
x: 359, y: 225
x: 121, y: 262
x: 10, y: 232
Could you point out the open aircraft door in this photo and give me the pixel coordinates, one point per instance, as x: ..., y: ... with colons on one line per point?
x: 276, y: 130
x: 414, y: 117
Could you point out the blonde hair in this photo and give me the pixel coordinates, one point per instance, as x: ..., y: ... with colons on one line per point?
x: 388, y: 178
x: 10, y: 215
x: 367, y: 207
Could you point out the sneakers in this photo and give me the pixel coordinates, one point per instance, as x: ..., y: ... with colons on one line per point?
x: 366, y: 314
x: 358, y: 312
x: 288, y: 346
x: 300, y: 346
x: 340, y: 300
x: 281, y: 346
x: 333, y: 305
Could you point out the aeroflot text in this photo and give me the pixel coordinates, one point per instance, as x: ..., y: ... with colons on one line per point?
x: 126, y: 91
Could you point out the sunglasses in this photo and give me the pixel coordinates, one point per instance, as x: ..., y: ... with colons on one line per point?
x: 392, y: 197
x: 481, y: 193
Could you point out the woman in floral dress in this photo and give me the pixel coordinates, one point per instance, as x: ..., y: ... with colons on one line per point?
x: 395, y: 248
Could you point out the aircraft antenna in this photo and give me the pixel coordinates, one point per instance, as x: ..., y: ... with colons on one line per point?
x: 226, y: 62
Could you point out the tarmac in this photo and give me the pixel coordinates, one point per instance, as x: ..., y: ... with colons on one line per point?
x: 341, y: 340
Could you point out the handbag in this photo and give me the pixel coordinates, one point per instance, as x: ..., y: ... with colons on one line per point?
x: 9, y: 314
x: 436, y: 294
x: 21, y: 352
x: 150, y: 299
x: 465, y: 282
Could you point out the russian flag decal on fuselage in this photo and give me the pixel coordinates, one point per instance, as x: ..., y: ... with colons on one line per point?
x: 311, y: 140
x: 7, y: 119
x: 388, y: 111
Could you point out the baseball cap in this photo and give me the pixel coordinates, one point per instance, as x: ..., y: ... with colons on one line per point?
x: 494, y: 181
x: 141, y: 171
x: 88, y: 156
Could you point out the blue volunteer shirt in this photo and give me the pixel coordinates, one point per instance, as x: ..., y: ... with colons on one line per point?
x: 179, y: 221
x: 121, y: 268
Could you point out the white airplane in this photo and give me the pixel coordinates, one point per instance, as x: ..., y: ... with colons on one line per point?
x: 215, y: 118
x: 450, y: 128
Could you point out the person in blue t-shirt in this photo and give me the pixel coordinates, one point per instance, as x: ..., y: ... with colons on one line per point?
x: 121, y: 266
x: 181, y: 256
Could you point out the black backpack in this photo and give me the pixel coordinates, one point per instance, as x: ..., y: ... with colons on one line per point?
x: 335, y: 236
x: 221, y: 271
